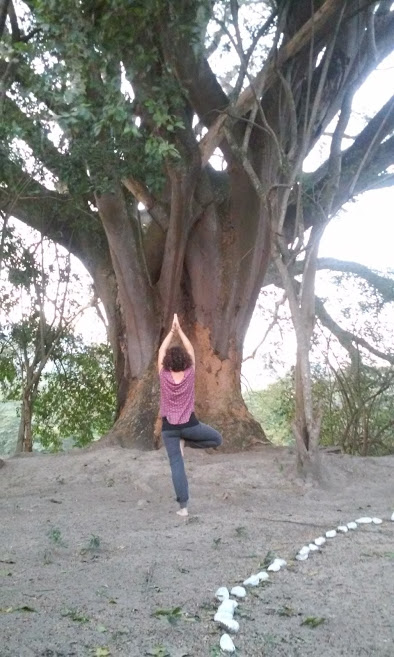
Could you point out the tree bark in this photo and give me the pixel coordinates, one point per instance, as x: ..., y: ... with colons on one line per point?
x: 25, y: 435
x: 219, y: 400
x: 21, y: 431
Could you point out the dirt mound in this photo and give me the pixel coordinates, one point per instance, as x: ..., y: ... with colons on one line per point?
x: 94, y: 560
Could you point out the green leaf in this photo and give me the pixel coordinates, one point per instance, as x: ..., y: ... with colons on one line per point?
x: 172, y: 615
x: 158, y: 651
x: 102, y: 651
x: 75, y: 615
x: 312, y: 621
x: 286, y: 611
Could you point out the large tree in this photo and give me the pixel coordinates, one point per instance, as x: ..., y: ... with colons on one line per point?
x: 112, y: 98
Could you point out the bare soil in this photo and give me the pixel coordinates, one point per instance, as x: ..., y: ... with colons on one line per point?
x: 91, y: 550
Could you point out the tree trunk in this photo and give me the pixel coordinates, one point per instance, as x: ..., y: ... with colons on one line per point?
x: 306, y: 431
x: 21, y: 431
x: 219, y: 402
x: 136, y: 425
x: 25, y: 436
x: 225, y: 257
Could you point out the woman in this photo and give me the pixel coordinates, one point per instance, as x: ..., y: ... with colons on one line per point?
x: 176, y: 370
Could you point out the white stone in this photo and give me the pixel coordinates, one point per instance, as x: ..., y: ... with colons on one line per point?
x: 227, y: 607
x: 352, y: 525
x: 226, y: 621
x: 313, y: 547
x: 238, y: 591
x: 263, y: 576
x: 226, y: 643
x: 343, y: 529
x: 222, y: 618
x: 363, y: 521
x: 222, y: 593
x: 304, y: 550
x: 277, y: 565
x: 253, y: 580
x: 377, y: 521
x: 302, y: 557
x: 331, y: 533
x: 392, y: 517
x: 233, y: 626
x: 320, y: 541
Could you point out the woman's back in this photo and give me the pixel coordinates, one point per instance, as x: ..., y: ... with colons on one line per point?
x: 177, y: 395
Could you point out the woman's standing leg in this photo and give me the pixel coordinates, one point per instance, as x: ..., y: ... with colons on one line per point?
x: 171, y: 440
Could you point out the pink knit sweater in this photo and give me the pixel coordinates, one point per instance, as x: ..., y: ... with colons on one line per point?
x: 177, y: 399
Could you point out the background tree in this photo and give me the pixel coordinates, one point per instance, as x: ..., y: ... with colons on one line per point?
x: 351, y: 360
x: 356, y: 409
x: 206, y: 243
x: 77, y: 398
x: 36, y: 313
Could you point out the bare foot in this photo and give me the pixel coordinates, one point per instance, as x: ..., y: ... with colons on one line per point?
x: 183, y: 513
x: 182, y: 446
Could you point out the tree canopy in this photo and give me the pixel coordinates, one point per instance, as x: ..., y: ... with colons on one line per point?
x: 107, y: 105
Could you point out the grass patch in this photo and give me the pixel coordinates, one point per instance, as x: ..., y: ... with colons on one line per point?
x: 313, y: 621
x: 172, y: 615
x: 55, y: 536
x: 241, y: 532
x: 75, y: 616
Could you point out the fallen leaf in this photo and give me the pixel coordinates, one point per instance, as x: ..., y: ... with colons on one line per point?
x: 102, y: 651
x: 8, y: 610
x: 312, y: 621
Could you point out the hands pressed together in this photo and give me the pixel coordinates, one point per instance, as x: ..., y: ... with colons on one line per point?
x: 175, y: 324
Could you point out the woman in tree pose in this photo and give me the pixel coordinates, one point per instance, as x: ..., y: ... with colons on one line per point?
x: 180, y: 425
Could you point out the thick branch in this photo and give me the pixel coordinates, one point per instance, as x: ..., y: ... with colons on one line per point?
x: 142, y: 194
x: 43, y: 148
x: 54, y: 215
x: 195, y: 75
x: 3, y: 14
x: 312, y: 28
x: 374, y: 154
x: 346, y: 338
x: 384, y: 285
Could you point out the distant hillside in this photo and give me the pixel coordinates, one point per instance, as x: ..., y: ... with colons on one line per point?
x: 9, y: 423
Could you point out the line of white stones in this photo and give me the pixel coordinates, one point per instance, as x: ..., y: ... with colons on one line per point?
x: 225, y: 613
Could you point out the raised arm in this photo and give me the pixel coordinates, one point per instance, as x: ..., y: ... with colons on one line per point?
x: 185, y: 340
x: 164, y: 346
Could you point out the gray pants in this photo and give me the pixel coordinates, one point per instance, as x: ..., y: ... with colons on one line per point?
x: 199, y: 437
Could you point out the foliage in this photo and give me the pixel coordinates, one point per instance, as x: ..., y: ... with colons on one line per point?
x: 172, y: 615
x: 274, y: 409
x: 79, y: 50
x: 77, y: 397
x: 9, y: 422
x: 42, y: 364
x: 357, y: 406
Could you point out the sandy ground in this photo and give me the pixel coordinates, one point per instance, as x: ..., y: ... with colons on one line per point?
x: 91, y: 549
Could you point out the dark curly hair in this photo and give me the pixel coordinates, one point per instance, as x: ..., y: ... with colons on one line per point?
x: 176, y: 359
